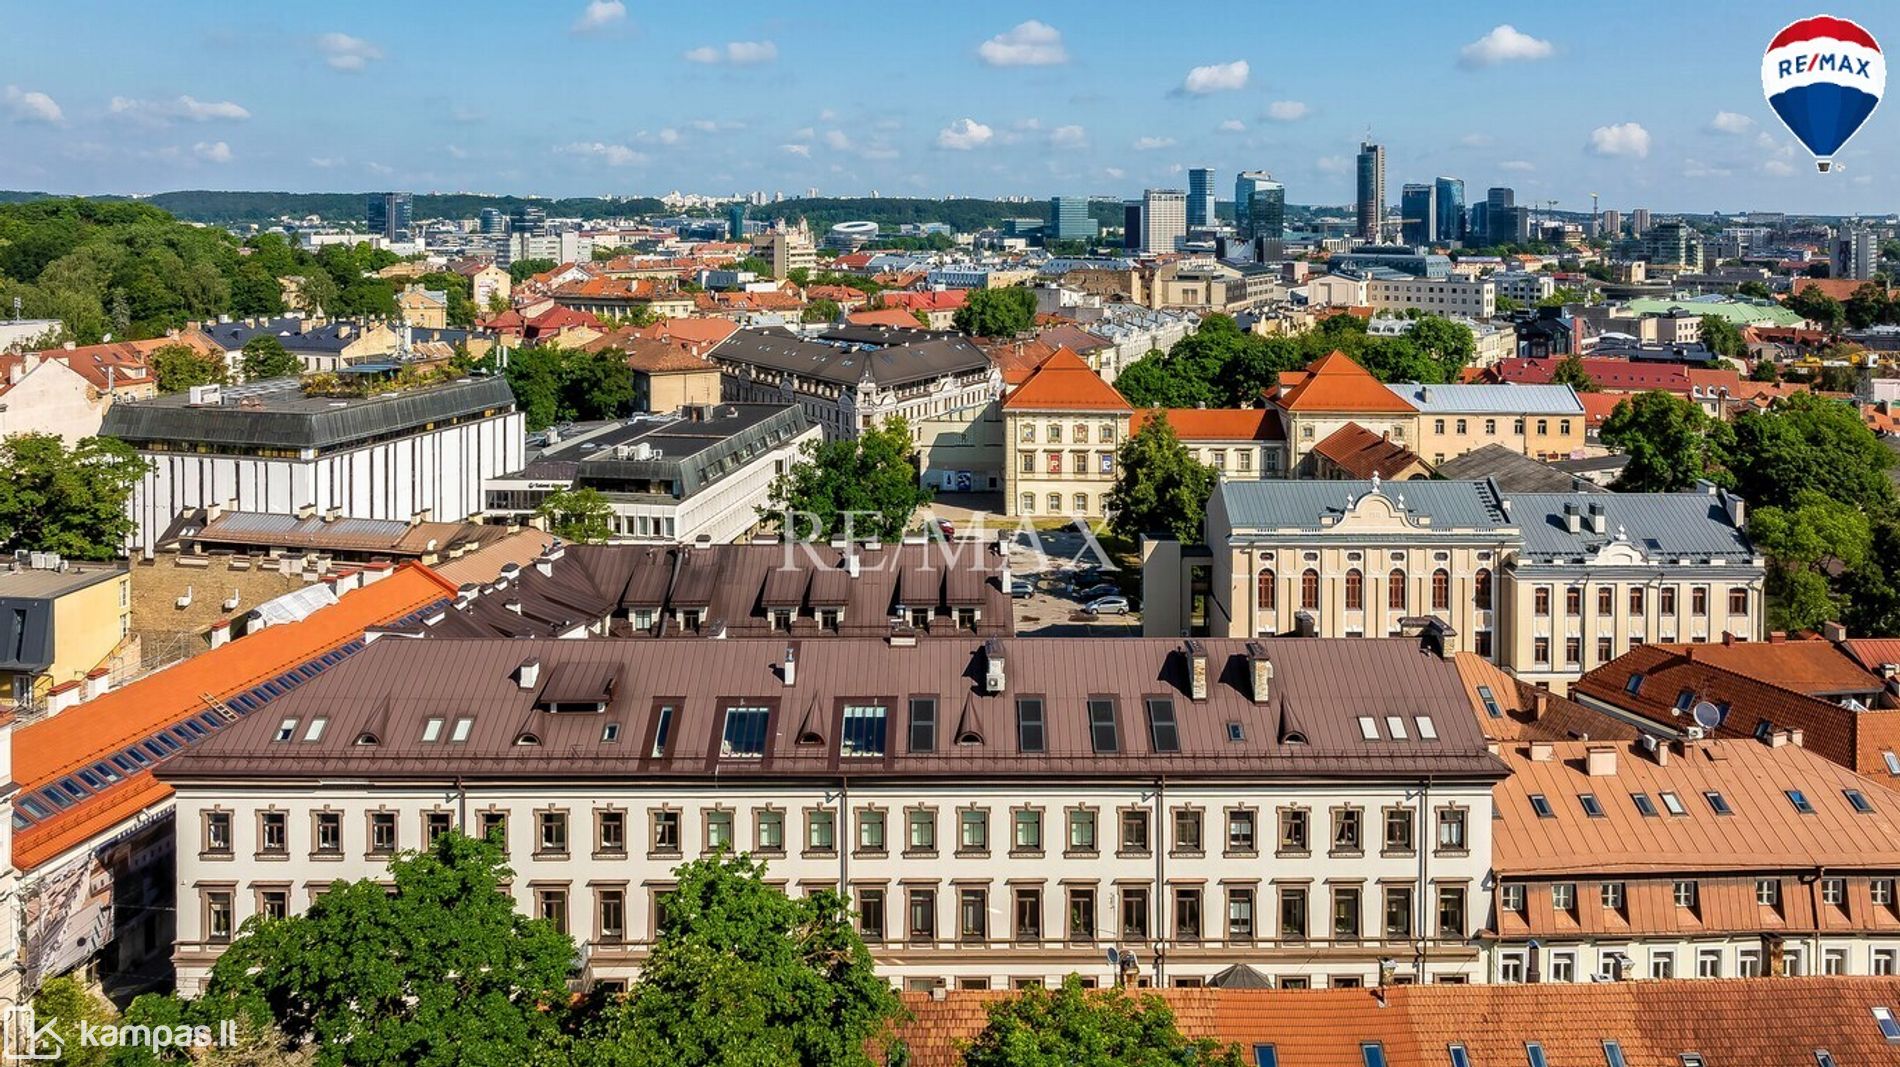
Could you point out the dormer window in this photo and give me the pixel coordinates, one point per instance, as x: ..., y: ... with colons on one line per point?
x: 864, y: 730
x: 528, y: 739
x: 367, y: 738
x: 744, y: 736
x: 285, y: 730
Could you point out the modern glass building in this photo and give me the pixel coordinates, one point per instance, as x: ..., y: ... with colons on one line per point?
x: 1258, y: 187
x: 1069, y: 219
x: 1418, y: 213
x: 390, y: 216
x: 1131, y: 224
x: 1200, y: 202
x: 1371, y: 202
x: 1451, y: 209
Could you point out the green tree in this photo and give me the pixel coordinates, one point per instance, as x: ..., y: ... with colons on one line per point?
x: 595, y: 385
x: 1449, y: 343
x: 1074, y: 1027
x: 1505, y: 305
x: 66, y: 1004
x: 1670, y: 442
x: 179, y: 367
x: 799, y: 276
x: 1570, y: 371
x: 757, y: 265
x: 70, y: 501
x: 1871, y: 590
x: 1159, y: 487
x: 1755, y: 290
x: 821, y: 311
x: 522, y: 269
x: 318, y: 292
x: 744, y: 975
x: 1002, y: 312
x: 266, y: 357
x: 581, y: 515
x: 1722, y: 337
x: 1765, y: 370
x: 1815, y: 537
x: 867, y: 485
x: 1868, y: 306
x: 439, y: 969
x: 535, y: 375
x: 1818, y: 307
x: 1809, y: 442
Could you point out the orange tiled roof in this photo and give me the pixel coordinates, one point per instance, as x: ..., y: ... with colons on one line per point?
x: 1361, y: 453
x: 1335, y: 383
x: 1881, y: 422
x: 49, y: 749
x: 1753, y: 1021
x: 1216, y: 424
x: 1812, y: 665
x: 665, y: 357
x: 1873, y: 653
x: 1838, y: 288
x: 926, y: 300
x: 883, y: 317
x: 1065, y: 383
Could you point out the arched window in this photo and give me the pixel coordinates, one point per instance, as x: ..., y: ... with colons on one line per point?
x: 1395, y: 590
x: 1263, y: 592
x: 1309, y: 589
x: 1355, y: 590
x: 1441, y: 590
x: 1481, y: 588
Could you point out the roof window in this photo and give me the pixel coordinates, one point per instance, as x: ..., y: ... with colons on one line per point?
x: 1889, y: 1029
x: 1613, y: 1054
x: 285, y: 730
x: 1541, y: 806
x: 1395, y: 727
x: 1368, y: 728
x: 1644, y: 806
x: 1673, y: 804
x: 431, y: 730
x: 1590, y: 805
x: 1799, y: 800
x: 1103, y: 736
x: 1534, y: 1054
x: 314, y: 732
x: 1427, y: 729
x: 1490, y: 705
x: 462, y: 727
x: 1859, y: 801
x: 1634, y: 685
x: 1717, y: 802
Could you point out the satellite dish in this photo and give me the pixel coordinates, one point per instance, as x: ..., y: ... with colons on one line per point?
x: 1707, y: 715
x: 1114, y: 957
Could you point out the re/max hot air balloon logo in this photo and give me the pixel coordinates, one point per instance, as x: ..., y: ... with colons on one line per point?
x: 1823, y: 76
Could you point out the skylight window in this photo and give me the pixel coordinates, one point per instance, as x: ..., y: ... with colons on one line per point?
x: 610, y: 732
x: 1541, y: 806
x: 1459, y: 1057
x: 1534, y: 1054
x: 1490, y: 702
x: 1613, y: 1054
x: 1823, y: 1058
x: 1395, y: 727
x: 1685, y: 698
x: 1265, y: 1056
x: 461, y: 729
x: 863, y: 730
x: 1029, y: 732
x: 661, y: 730
x: 1673, y: 804
x: 1634, y: 685
x: 1373, y: 1053
x: 1644, y: 806
x: 1717, y: 802
x: 1427, y: 729
x: 1892, y: 760
x: 1590, y: 805
x: 1861, y: 805
x: 1368, y: 728
x: 1889, y: 1029
x: 1799, y: 800
x: 314, y: 732
x: 744, y: 736
x: 286, y: 730
x: 431, y: 731
x: 1103, y: 736
x: 1163, y: 731
x: 1236, y: 732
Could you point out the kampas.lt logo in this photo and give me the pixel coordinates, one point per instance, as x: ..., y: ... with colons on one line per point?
x: 25, y: 1039
x: 1824, y: 76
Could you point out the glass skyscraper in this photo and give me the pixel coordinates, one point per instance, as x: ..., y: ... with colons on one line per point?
x: 389, y: 215
x: 1200, y: 202
x: 1371, y: 201
x: 1451, y: 209
x: 1069, y: 219
x: 1418, y: 214
x: 1258, y: 187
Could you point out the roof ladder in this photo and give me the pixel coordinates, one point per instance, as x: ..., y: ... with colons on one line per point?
x: 220, y: 708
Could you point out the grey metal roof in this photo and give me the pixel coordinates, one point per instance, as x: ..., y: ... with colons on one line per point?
x: 691, y: 450
x: 1663, y: 526
x: 1273, y: 504
x: 888, y: 357
x: 278, y: 414
x: 1513, y: 472
x: 1490, y: 399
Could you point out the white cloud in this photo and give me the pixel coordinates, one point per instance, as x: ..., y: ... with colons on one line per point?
x: 1029, y: 44
x: 383, y: 169
x: 1731, y: 122
x: 737, y: 53
x: 838, y: 139
x: 1503, y: 45
x: 1333, y: 164
x: 1233, y: 126
x: 614, y: 155
x: 1780, y: 168
x: 600, y: 15
x: 455, y: 151
x: 804, y: 133
x: 1621, y: 139
x: 343, y: 52
x: 1215, y: 78
x: 27, y: 105
x: 1519, y: 165
x: 964, y: 134
x: 1475, y: 140
x: 1287, y: 110
x: 212, y: 152
x: 328, y: 162
x: 1114, y: 172
x: 715, y: 125
x: 1149, y: 144
x: 188, y: 108
x: 796, y: 150
x: 1068, y: 137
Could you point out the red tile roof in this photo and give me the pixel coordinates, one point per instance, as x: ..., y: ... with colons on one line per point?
x: 1757, y: 1022
x: 1611, y: 375
x: 1873, y: 653
x: 926, y: 300
x: 1360, y: 453
x: 1216, y: 424
x: 883, y: 317
x: 1065, y: 383
x: 1806, y: 665
x: 1838, y: 288
x: 1525, y: 712
x: 49, y: 749
x: 1335, y: 383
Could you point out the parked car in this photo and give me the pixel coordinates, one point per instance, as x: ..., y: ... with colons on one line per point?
x: 1108, y: 605
x: 948, y: 531
x: 1021, y: 587
x: 1097, y: 591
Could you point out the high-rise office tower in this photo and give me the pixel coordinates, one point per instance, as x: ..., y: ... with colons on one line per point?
x: 1639, y: 222
x: 1611, y: 224
x: 1855, y: 253
x: 1200, y: 201
x: 1244, y: 186
x: 1131, y: 225
x: 526, y: 219
x: 1418, y: 213
x: 1069, y: 219
x: 1163, y: 219
x: 494, y: 223
x: 735, y: 221
x: 1266, y: 212
x: 390, y: 216
x: 1371, y: 202
x: 1451, y: 209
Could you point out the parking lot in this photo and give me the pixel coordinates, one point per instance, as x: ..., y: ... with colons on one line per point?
x: 1061, y: 569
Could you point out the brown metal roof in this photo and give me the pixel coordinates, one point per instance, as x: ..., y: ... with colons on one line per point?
x: 1394, y: 685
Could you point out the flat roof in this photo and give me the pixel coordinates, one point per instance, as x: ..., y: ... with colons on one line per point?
x: 277, y: 413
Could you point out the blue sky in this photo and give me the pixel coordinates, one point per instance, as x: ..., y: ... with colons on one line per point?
x: 1649, y: 104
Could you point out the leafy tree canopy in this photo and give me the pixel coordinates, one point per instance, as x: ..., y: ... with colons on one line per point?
x: 1809, y: 442
x: 1670, y: 442
x: 1570, y: 371
x: 1074, y: 1027
x: 69, y: 501
x: 266, y: 357
x: 179, y: 367
x: 1159, y: 487
x: 582, y: 515
x: 868, y: 484
x: 1002, y: 312
x: 821, y: 311
x: 521, y: 270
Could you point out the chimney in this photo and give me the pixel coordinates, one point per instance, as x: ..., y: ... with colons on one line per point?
x: 1542, y: 751
x: 1834, y: 632
x: 63, y: 696
x: 220, y: 633
x: 545, y: 564
x: 1540, y: 703
x: 1797, y: 737
x: 1600, y: 761
x: 1599, y: 521
x: 1573, y: 520
x: 528, y: 675
x: 1619, y: 967
x: 788, y: 672
x: 333, y: 514
x: 995, y: 677
x: 306, y: 511
x: 1778, y: 739
x: 98, y: 681
x: 1260, y: 670
x: 852, y: 565
x: 1197, y: 670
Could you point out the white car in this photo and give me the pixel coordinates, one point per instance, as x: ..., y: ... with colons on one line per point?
x: 1108, y: 605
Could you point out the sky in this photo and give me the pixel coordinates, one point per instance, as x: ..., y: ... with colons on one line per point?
x: 1648, y: 104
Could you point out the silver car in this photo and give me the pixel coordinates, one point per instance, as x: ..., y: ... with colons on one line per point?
x: 1108, y: 605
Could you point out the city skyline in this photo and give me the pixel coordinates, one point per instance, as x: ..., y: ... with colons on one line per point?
x: 606, y: 98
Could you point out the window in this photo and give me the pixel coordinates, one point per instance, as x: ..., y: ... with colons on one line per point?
x: 1511, y: 967
x: 920, y: 833
x: 922, y: 915
x: 1534, y: 1054
x: 434, y: 825
x: 1187, y: 914
x: 1708, y: 963
x: 871, y: 914
x: 273, y: 833
x: 1441, y: 590
x: 1028, y: 832
x: 863, y: 733
x: 1738, y: 600
x: 1644, y: 806
x: 1345, y: 913
x: 923, y: 724
x: 1699, y: 601
x: 1293, y: 830
x: 821, y: 831
x: 1606, y: 599
x: 285, y: 730
x: 666, y: 832
x: 768, y: 831
x: 1885, y: 962
x: 1717, y: 802
x: 218, y: 917
x: 1103, y: 737
x: 217, y: 833
x: 1081, y: 914
x: 1451, y: 912
x: 382, y: 832
x: 1673, y: 804
x: 1858, y: 801
x: 1889, y: 1029
x: 610, y: 833
x: 745, y: 732
x: 1309, y: 590
x: 552, y: 836
x: 610, y: 915
x: 1368, y: 728
x: 973, y: 830
x: 1346, y: 836
x: 1293, y: 914
x: 1187, y: 830
x: 1263, y: 591
x: 1028, y: 913
x: 663, y: 726
x: 1636, y: 602
x: 1398, y: 911
x: 1540, y: 650
x: 1134, y: 838
x: 1512, y: 897
x: 1240, y: 831
x: 1373, y: 1053
x: 1395, y: 590
x: 1768, y: 892
x: 1029, y: 732
x: 1590, y: 806
x: 1541, y: 601
x: 973, y: 914
x: 1481, y: 589
x: 1163, y: 731
x: 1081, y: 830
x: 870, y: 831
x: 1240, y: 915
x: 1573, y: 650
x: 1685, y: 893
x: 1799, y: 800
x: 273, y: 903
x: 460, y: 731
x: 1541, y: 805
x: 1662, y: 964
x: 1134, y: 911
x: 551, y: 904
x: 1398, y: 830
x: 1355, y: 590
x: 1823, y: 1058
x: 1563, y: 896
x: 1666, y: 600
x: 1265, y: 1056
